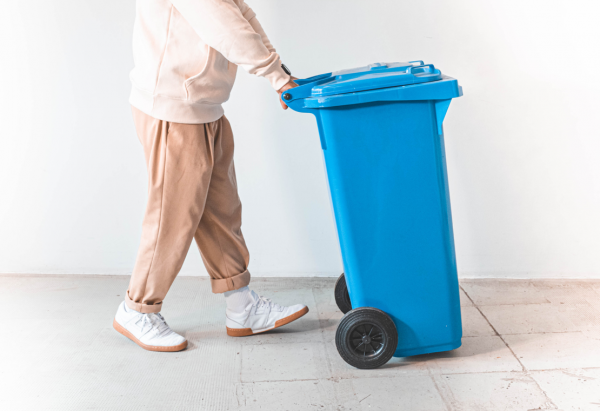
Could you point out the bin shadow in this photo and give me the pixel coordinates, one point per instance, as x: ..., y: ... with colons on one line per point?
x: 474, y: 351
x: 475, y: 348
x: 477, y: 356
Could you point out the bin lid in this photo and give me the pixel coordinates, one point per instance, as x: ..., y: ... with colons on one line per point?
x: 411, y: 81
x: 376, y: 76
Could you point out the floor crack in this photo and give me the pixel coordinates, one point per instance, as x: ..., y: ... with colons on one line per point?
x: 524, y: 369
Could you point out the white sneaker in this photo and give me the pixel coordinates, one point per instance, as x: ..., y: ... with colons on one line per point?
x: 260, y: 316
x: 149, y: 331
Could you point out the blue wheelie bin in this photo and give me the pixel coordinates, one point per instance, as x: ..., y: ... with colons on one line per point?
x: 381, y: 133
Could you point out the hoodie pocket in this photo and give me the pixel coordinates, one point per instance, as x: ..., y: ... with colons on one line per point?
x: 213, y: 84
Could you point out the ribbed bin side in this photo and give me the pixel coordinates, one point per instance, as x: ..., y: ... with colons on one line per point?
x: 387, y: 175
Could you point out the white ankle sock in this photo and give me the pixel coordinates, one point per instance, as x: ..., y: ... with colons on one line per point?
x: 238, y: 300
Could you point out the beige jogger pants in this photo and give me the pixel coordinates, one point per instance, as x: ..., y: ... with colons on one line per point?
x: 192, y: 193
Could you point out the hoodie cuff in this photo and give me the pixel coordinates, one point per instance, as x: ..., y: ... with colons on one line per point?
x: 278, y: 78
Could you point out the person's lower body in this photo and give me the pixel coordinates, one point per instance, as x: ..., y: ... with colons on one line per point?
x: 192, y: 194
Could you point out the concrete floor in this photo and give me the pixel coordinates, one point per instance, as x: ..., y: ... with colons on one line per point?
x: 528, y: 345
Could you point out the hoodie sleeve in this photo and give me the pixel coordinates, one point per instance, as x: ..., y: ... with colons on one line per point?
x: 223, y: 26
x: 250, y: 15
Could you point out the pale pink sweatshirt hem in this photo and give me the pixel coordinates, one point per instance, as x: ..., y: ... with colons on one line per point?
x: 176, y: 111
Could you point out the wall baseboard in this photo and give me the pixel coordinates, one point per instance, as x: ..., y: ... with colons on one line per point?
x: 279, y: 274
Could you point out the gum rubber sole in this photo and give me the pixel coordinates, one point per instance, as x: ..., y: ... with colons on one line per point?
x: 244, y: 332
x: 127, y: 334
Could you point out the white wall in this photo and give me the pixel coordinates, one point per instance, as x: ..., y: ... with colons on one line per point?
x: 522, y: 143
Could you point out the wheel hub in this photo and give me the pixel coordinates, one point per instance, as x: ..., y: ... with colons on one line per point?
x: 367, y: 340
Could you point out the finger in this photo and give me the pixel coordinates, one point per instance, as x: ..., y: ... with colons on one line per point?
x: 283, y: 105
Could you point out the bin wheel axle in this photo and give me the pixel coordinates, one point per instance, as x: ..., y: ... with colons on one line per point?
x: 366, y: 339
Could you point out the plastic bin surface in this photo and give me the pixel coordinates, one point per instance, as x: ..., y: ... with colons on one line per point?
x: 381, y: 132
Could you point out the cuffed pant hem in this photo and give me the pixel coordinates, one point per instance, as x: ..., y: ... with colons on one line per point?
x: 142, y: 308
x: 220, y: 285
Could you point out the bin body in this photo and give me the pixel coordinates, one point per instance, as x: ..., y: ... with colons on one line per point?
x: 386, y: 171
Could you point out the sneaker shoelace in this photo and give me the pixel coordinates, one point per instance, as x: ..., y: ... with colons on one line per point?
x: 267, y: 303
x: 155, y: 321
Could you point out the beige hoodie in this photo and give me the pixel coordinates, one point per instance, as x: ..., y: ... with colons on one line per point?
x: 186, y: 54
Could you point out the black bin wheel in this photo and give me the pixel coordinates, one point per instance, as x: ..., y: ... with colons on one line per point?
x: 366, y: 338
x: 342, y: 298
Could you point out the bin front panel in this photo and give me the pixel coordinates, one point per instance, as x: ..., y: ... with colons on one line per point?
x: 387, y: 176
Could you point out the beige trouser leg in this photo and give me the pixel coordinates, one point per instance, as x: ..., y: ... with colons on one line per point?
x: 192, y: 193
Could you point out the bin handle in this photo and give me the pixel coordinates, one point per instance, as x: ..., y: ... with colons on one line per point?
x: 421, y: 62
x: 423, y: 66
